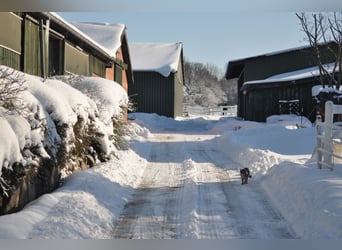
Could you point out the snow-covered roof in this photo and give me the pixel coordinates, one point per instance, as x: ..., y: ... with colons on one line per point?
x: 158, y: 57
x: 78, y: 32
x: 107, y: 35
x: 293, y: 75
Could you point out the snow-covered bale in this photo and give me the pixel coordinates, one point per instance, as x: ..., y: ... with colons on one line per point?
x: 289, y: 121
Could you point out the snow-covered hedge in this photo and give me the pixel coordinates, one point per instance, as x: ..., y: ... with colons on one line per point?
x: 56, y: 119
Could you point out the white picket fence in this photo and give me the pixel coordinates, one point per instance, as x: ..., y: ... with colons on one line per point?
x: 329, y: 138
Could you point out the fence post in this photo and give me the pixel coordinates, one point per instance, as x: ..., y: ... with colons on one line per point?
x: 319, y: 139
x: 328, y: 121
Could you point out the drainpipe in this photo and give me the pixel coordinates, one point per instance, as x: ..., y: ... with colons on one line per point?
x: 42, y: 48
x: 47, y: 35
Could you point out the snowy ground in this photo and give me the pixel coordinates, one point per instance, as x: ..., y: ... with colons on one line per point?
x: 179, y: 179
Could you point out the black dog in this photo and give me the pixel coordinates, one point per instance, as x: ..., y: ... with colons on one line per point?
x: 244, y: 173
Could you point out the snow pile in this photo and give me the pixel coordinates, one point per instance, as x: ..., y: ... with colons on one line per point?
x: 157, y: 57
x: 280, y: 159
x: 46, y: 112
x: 261, y: 147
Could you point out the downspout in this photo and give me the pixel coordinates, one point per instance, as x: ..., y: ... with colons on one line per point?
x: 42, y: 49
x: 46, y: 44
x: 23, y: 35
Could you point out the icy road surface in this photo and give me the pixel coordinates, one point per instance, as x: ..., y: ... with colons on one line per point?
x: 191, y: 190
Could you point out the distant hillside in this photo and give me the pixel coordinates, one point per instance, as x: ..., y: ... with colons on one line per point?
x: 204, y: 87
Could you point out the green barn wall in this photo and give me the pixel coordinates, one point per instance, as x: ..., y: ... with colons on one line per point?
x: 21, y: 50
x: 10, y: 45
x: 179, y: 90
x: 32, y: 48
x: 9, y: 58
x: 154, y: 93
x: 263, y: 100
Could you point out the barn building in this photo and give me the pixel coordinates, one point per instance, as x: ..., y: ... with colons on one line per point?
x: 44, y: 44
x: 158, y: 78
x: 114, y: 39
x: 276, y: 83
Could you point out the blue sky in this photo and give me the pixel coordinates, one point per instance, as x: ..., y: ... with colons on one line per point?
x: 214, y: 32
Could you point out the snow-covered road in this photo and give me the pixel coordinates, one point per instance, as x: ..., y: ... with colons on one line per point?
x: 179, y: 179
x: 191, y: 190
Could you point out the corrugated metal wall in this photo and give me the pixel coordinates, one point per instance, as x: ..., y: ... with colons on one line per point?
x: 10, y: 27
x: 153, y: 93
x: 9, y: 58
x: 32, y: 48
x: 262, y: 67
x: 62, y: 57
x: 10, y: 44
x: 179, y: 90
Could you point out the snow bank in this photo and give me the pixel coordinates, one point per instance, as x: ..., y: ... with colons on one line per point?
x: 308, y: 197
x: 260, y: 146
x: 158, y: 57
x: 279, y: 157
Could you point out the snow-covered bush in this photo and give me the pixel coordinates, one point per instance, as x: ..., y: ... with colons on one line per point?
x: 111, y: 101
x: 12, y: 84
x: 55, y: 126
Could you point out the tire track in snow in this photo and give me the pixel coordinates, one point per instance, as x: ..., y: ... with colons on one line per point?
x: 213, y: 217
x: 154, y: 211
x: 247, y: 205
x: 191, y: 190
x: 255, y: 217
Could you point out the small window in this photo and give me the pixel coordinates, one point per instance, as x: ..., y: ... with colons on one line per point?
x: 76, y: 61
x: 55, y: 56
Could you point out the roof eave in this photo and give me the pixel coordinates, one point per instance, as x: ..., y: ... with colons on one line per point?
x: 77, y: 33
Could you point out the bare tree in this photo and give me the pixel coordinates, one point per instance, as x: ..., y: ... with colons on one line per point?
x: 202, y: 84
x: 325, y: 29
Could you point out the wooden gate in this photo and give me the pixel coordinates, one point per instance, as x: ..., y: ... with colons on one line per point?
x: 329, y: 138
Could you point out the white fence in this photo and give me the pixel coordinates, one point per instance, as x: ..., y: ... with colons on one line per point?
x: 329, y: 138
x: 218, y: 111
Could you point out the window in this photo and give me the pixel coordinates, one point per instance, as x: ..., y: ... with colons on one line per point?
x: 118, y: 73
x: 76, y: 61
x: 55, y: 56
